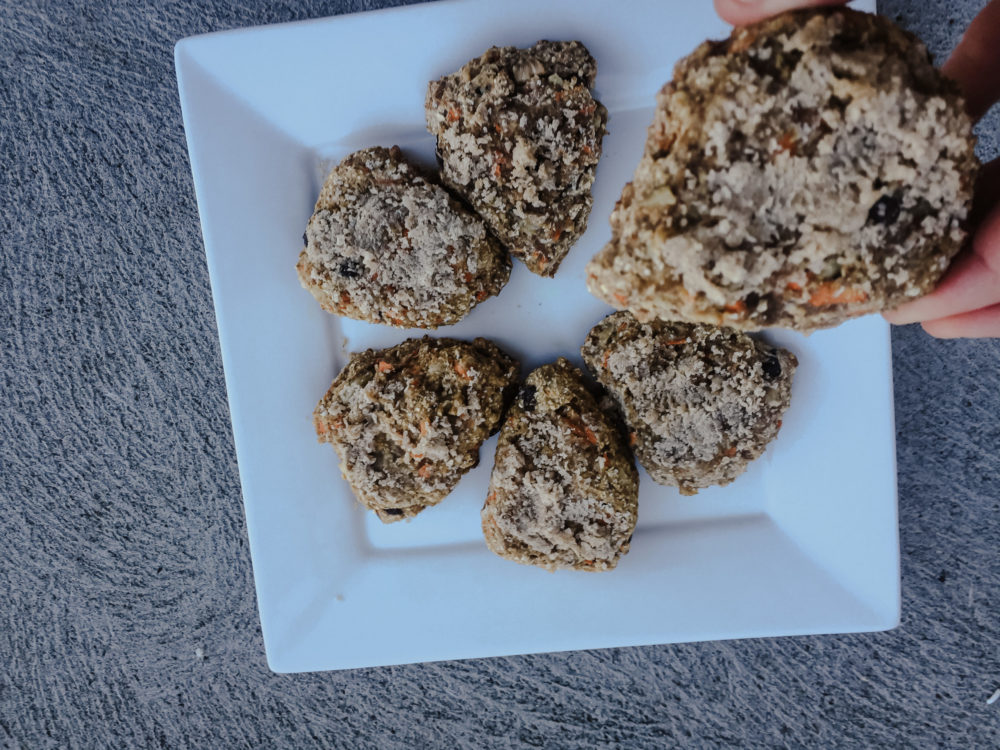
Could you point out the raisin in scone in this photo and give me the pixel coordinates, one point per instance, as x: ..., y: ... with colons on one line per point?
x: 564, y: 489
x: 519, y: 136
x: 407, y: 422
x: 811, y: 168
x: 701, y: 402
x: 387, y: 245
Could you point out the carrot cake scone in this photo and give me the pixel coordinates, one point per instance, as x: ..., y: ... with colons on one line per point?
x: 701, y: 402
x: 564, y: 489
x: 387, y: 245
x: 407, y: 422
x: 519, y: 136
x: 811, y: 168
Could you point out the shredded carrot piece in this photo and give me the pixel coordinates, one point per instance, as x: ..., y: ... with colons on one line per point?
x: 793, y: 287
x: 497, y: 171
x: 425, y: 427
x: 559, y: 96
x: 741, y: 43
x: 619, y: 297
x: 831, y: 293
x: 461, y: 370
x: 604, y: 360
x: 632, y: 439
x: 787, y: 142
x: 481, y: 295
x: 666, y: 141
x: 779, y: 424
x: 557, y: 234
x: 677, y: 342
x: 737, y: 308
x: 580, y: 430
x: 587, y: 150
x: 384, y: 366
x: 453, y: 115
x: 322, y: 427
x: 424, y: 471
x: 731, y: 451
x: 497, y: 127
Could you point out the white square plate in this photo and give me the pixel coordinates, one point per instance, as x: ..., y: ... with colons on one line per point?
x: 804, y: 542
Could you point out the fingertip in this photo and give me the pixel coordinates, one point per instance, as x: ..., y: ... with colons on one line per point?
x: 977, y: 324
x: 743, y: 12
x: 902, y: 315
x: 937, y: 329
x: 725, y: 10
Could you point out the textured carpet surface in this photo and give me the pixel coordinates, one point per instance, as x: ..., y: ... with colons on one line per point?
x: 126, y: 592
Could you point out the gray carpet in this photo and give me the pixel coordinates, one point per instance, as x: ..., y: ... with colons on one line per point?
x: 129, y: 617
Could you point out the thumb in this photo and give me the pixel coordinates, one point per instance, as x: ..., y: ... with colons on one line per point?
x: 742, y: 12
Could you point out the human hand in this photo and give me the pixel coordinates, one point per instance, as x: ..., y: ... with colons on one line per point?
x: 966, y: 302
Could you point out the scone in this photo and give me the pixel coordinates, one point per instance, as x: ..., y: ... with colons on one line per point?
x: 811, y: 168
x: 407, y: 422
x: 564, y: 490
x: 387, y: 245
x: 700, y: 402
x: 519, y: 136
